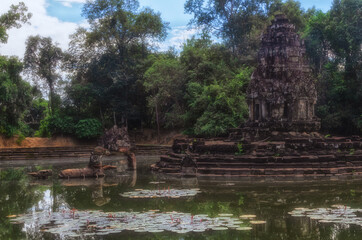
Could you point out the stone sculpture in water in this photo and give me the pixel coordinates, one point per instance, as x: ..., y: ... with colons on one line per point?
x: 115, y: 139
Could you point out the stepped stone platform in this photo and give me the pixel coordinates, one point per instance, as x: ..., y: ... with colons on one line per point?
x: 7, y: 154
x: 45, y: 152
x: 297, y: 156
x: 150, y: 149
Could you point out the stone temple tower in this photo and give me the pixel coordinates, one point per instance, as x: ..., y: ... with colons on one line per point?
x: 282, y: 92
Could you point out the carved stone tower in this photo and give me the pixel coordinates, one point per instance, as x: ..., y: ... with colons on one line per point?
x: 282, y: 92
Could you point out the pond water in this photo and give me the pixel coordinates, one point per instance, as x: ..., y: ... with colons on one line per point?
x: 176, y: 208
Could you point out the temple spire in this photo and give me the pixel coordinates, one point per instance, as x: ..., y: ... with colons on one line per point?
x: 282, y: 92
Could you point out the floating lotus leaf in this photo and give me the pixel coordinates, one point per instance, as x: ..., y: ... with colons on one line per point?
x: 225, y: 214
x: 258, y: 222
x: 247, y: 216
x: 219, y: 228
x: 340, y: 214
x: 69, y: 223
x: 169, y: 193
x: 244, y: 228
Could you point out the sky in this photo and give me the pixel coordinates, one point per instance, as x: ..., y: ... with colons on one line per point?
x: 60, y: 18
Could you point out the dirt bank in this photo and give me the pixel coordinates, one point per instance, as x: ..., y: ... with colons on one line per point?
x: 144, y: 136
x: 32, y: 142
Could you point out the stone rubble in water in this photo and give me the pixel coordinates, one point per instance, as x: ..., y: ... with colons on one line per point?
x: 73, y: 223
x: 115, y: 138
x: 338, y: 214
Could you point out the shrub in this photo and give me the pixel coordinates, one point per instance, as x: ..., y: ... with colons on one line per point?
x: 61, y: 125
x: 8, y: 130
x: 20, y: 139
x: 88, y: 128
x: 43, y: 128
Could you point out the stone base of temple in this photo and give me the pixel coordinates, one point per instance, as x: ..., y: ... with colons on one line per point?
x: 276, y: 130
x: 294, y: 156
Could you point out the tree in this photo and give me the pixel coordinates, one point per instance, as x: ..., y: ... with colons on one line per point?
x: 344, y: 34
x: 334, y: 42
x: 15, y: 95
x: 164, y: 83
x: 13, y: 18
x: 110, y: 56
x: 215, y: 88
x: 42, y: 61
x: 316, y: 40
x: 234, y: 20
x: 241, y: 22
x: 293, y: 11
x: 220, y: 105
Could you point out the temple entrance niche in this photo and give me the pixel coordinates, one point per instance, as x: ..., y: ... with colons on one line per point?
x: 260, y: 111
x: 303, y: 109
x: 285, y: 110
x: 257, y: 112
x: 282, y: 92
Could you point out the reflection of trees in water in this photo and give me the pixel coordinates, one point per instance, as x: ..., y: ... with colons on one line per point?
x: 273, y: 201
x: 91, y: 193
x: 16, y: 197
x: 269, y: 201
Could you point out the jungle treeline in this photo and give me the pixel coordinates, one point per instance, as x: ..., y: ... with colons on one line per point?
x: 113, y: 72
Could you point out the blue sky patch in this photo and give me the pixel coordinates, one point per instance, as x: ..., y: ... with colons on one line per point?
x: 56, y: 9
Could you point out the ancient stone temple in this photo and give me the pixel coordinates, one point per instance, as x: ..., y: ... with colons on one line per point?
x: 281, y: 137
x: 282, y: 92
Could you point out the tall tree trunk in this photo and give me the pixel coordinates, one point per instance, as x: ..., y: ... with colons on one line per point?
x: 51, y: 107
x: 102, y: 118
x: 158, y: 124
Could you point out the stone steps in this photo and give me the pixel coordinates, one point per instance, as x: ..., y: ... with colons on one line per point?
x: 168, y: 159
x: 70, y: 152
x: 278, y: 171
x: 46, y: 152
x: 294, y: 157
x: 267, y: 165
x: 144, y: 149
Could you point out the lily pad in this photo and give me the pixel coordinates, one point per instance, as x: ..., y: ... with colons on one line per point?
x: 258, y: 222
x: 65, y: 223
x: 248, y: 216
x: 244, y: 228
x: 339, y: 214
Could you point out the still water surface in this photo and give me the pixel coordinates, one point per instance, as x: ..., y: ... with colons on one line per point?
x: 267, y: 198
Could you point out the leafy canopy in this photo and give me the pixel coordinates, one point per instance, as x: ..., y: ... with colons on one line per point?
x: 13, y: 18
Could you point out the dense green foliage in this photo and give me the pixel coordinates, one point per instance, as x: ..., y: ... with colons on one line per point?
x: 240, y: 22
x: 216, y: 83
x: 15, y: 95
x: 88, y: 128
x: 42, y: 60
x: 199, y: 90
x: 334, y: 44
x: 115, y: 76
x: 107, y: 61
x: 13, y: 18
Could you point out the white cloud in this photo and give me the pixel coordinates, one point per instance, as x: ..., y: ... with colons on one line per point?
x: 41, y: 24
x: 48, y: 26
x: 68, y: 3
x: 177, y: 37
